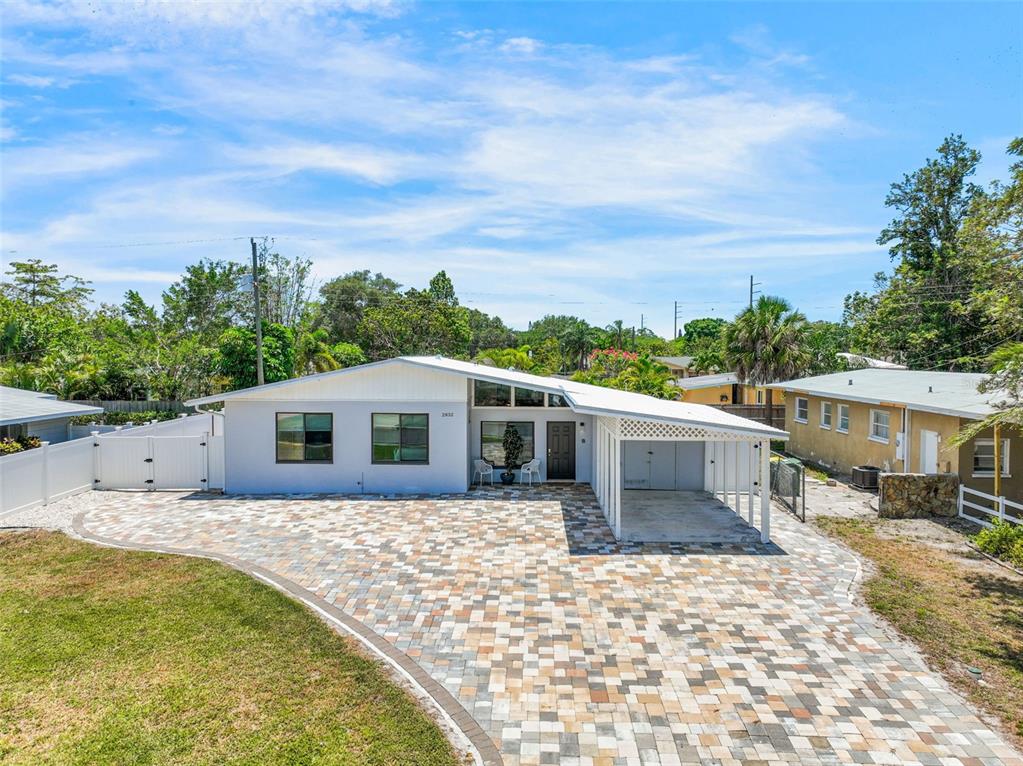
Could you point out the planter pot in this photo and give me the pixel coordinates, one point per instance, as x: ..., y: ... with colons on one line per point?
x: 507, y: 477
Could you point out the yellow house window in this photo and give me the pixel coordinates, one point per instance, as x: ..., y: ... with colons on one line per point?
x: 843, y: 419
x: 879, y: 425
x: 826, y: 415
x: 802, y: 410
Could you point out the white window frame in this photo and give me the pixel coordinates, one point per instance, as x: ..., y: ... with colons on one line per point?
x: 1004, y: 456
x: 830, y: 409
x: 806, y: 408
x: 838, y: 425
x: 870, y: 432
x: 760, y: 396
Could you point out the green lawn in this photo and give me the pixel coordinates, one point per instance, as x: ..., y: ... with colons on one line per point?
x: 959, y: 616
x: 117, y: 657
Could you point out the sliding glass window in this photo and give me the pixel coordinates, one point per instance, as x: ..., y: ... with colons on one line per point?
x: 400, y: 438
x: 305, y: 437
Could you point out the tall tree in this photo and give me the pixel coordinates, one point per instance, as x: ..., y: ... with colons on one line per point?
x: 929, y: 313
x: 37, y: 283
x: 208, y: 299
x: 767, y: 343
x: 346, y: 298
x: 286, y: 287
x: 417, y: 322
x: 237, y: 355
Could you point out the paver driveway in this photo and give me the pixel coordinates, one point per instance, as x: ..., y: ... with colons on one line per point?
x: 569, y: 648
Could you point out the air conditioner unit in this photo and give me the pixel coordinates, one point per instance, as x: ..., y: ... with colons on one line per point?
x: 865, y: 477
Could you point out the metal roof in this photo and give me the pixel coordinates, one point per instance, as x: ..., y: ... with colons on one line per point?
x: 20, y: 406
x: 859, y: 360
x: 581, y: 397
x: 675, y: 361
x: 946, y: 393
x: 707, y: 381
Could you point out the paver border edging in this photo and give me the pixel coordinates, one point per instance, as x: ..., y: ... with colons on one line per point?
x: 456, y: 716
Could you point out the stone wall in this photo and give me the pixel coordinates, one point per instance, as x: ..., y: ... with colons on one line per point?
x: 916, y: 495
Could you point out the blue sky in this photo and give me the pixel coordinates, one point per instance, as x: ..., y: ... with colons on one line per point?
x: 597, y: 159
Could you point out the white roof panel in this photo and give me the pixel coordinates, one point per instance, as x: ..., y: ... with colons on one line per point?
x: 707, y: 381
x: 948, y: 393
x: 582, y: 397
x: 20, y: 406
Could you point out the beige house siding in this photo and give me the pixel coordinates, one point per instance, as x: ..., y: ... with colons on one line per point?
x: 833, y: 449
x: 841, y: 451
x: 1012, y: 486
x: 946, y: 427
x: 714, y: 395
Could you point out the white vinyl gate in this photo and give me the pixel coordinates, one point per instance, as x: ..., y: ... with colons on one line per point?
x: 153, y: 462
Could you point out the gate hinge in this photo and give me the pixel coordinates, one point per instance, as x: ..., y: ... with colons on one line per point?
x: 202, y: 481
x: 95, y: 481
x: 149, y: 481
x: 202, y: 444
x: 148, y: 460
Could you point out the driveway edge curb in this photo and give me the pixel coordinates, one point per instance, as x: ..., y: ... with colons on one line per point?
x: 451, y: 711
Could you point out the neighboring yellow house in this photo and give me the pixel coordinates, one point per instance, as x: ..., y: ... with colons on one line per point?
x: 680, y: 366
x: 863, y: 417
x: 724, y: 388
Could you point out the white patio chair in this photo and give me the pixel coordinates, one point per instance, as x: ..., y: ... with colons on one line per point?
x: 483, y: 469
x: 529, y: 470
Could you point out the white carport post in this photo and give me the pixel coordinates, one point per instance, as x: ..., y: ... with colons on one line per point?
x: 765, y: 491
x: 751, y: 470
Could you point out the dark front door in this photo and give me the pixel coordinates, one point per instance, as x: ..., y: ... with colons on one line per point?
x: 561, y: 449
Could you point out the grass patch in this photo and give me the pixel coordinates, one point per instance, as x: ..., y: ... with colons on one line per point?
x: 959, y: 616
x: 120, y: 657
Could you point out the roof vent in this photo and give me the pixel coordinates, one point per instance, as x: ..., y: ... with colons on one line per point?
x: 850, y: 381
x: 930, y: 389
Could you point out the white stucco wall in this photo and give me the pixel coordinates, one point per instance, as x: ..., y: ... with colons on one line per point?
x: 251, y: 457
x: 539, y: 417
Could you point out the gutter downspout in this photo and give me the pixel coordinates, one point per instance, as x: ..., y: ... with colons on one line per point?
x: 907, y: 461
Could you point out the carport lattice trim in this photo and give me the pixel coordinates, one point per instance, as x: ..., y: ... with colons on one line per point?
x: 653, y: 430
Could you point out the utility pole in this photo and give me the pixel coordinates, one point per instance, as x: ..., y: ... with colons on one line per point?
x: 259, y: 318
x: 676, y: 319
x: 752, y: 292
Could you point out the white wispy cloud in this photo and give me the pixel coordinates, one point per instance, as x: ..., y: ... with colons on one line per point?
x: 589, y: 169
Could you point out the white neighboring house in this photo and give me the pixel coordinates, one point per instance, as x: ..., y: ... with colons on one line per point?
x: 414, y: 425
x: 30, y: 413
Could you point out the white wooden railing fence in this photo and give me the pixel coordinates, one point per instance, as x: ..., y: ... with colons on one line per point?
x: 992, y: 506
x: 173, y: 454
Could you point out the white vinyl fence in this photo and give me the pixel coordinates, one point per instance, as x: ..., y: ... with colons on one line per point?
x: 992, y: 506
x: 174, y: 454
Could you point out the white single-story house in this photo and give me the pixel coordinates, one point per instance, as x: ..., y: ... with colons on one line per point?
x: 419, y: 424
x: 30, y: 413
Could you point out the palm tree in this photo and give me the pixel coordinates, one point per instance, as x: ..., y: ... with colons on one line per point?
x: 616, y: 331
x: 767, y: 343
x: 577, y: 339
x: 645, y: 376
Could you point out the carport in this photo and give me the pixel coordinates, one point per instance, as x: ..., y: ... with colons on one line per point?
x: 666, y: 477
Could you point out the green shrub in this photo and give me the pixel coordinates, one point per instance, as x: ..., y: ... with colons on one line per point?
x: 9, y: 446
x: 1004, y: 540
x: 122, y: 418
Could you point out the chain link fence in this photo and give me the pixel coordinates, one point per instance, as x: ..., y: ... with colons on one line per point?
x: 788, y: 483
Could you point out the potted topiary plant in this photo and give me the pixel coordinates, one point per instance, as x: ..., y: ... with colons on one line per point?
x: 512, y: 454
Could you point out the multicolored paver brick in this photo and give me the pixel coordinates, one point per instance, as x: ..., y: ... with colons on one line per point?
x: 570, y: 648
